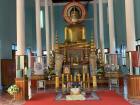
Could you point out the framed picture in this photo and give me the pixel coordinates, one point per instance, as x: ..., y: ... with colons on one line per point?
x: 66, y: 69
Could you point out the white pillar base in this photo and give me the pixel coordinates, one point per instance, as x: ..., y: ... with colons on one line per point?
x: 130, y: 64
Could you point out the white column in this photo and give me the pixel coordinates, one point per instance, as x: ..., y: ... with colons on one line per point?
x: 130, y: 25
x: 95, y: 23
x: 101, y: 25
x: 20, y: 27
x: 130, y: 30
x: 47, y: 31
x: 52, y: 26
x: 38, y: 30
x: 20, y: 54
x: 111, y: 27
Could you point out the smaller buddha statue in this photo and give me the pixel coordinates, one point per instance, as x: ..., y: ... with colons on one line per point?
x: 75, y: 32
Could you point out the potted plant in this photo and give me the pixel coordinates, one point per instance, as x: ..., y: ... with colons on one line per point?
x: 13, y: 90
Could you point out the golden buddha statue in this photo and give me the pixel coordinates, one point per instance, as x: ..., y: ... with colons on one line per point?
x: 75, y: 32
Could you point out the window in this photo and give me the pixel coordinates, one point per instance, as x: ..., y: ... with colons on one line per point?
x: 14, y: 47
x: 106, y: 50
x: 44, y: 52
x: 123, y: 54
x: 138, y: 42
x: 28, y: 50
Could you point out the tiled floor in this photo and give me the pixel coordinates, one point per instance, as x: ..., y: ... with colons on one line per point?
x: 6, y: 99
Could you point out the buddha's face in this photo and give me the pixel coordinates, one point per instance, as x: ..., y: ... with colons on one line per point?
x: 74, y: 16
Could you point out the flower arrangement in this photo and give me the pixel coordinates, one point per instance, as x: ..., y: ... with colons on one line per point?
x: 13, y: 89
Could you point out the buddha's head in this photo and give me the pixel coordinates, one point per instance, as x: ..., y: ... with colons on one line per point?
x: 75, y: 16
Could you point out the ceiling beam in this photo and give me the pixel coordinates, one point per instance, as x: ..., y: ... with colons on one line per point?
x: 64, y: 3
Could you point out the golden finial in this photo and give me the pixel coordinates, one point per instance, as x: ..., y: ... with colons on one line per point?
x: 56, y: 44
x: 56, y: 38
x: 92, y: 44
x: 65, y: 56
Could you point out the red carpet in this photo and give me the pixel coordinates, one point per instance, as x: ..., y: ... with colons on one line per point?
x: 106, y: 98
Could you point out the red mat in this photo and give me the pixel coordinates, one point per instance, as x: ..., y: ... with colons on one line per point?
x: 106, y: 98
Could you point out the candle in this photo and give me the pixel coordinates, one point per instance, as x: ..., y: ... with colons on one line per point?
x: 56, y: 82
x: 63, y: 81
x: 62, y: 78
x: 94, y: 81
x: 88, y: 80
x: 79, y: 79
x: 74, y: 78
x: 84, y: 84
x: 84, y: 77
x: 67, y: 78
x: 71, y: 78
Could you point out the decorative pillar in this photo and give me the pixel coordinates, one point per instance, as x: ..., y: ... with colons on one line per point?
x: 52, y: 26
x: 20, y: 37
x: 57, y: 83
x: 95, y: 23
x: 111, y: 27
x: 38, y: 31
x: 130, y: 30
x: 47, y: 31
x: 101, y: 26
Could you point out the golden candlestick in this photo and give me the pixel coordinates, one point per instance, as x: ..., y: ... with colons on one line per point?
x: 71, y: 78
x: 62, y: 77
x: 94, y: 81
x: 57, y: 82
x: 84, y: 77
x: 88, y: 81
x: 67, y: 77
x: 74, y: 78
x: 78, y: 78
x: 84, y: 80
x: 62, y: 80
x: 67, y: 84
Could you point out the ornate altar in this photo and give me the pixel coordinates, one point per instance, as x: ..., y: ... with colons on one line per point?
x: 79, y: 56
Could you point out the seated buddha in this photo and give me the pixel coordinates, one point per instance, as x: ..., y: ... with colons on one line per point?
x: 75, y: 32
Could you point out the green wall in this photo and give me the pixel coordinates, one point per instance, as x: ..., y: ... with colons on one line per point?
x: 119, y: 21
x: 106, y: 26
x: 7, y: 27
x: 30, y: 24
x: 8, y: 24
x: 137, y: 18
